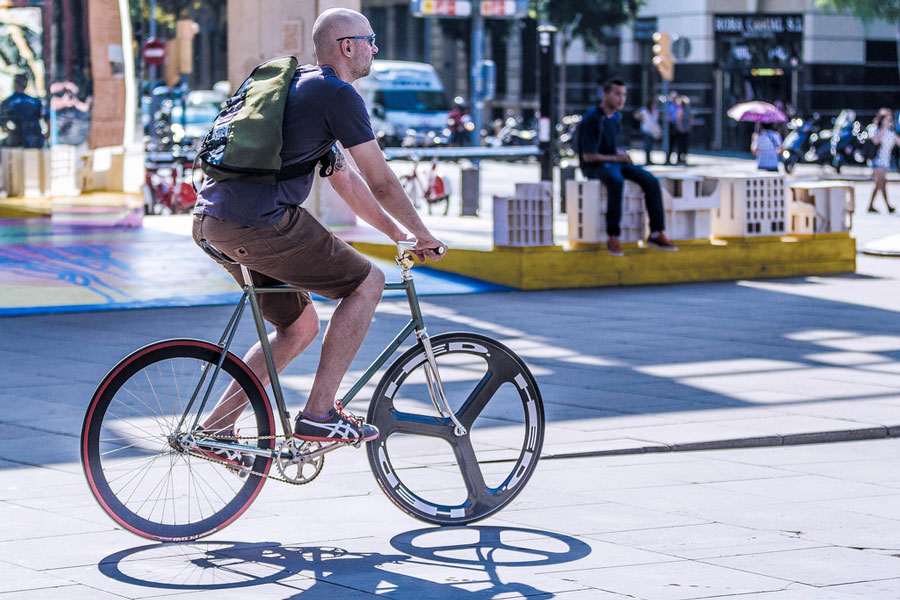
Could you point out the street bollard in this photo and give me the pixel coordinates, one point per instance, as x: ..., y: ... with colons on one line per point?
x: 565, y: 174
x: 470, y: 190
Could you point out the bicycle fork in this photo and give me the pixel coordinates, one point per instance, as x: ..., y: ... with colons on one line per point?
x: 436, y: 386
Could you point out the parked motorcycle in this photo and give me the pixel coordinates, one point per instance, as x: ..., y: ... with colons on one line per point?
x: 510, y: 133
x: 848, y: 137
x: 807, y: 143
x: 566, y: 131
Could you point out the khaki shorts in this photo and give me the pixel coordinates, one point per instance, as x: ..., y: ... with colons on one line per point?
x: 298, y: 250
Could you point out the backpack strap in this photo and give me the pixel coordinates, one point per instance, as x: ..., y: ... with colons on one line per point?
x: 294, y: 170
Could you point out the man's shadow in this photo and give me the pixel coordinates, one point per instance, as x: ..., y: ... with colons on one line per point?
x: 471, y: 557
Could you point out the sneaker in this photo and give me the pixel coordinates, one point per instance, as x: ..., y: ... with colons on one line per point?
x: 614, y: 247
x: 873, y: 210
x: 235, y: 461
x: 336, y: 426
x: 662, y: 242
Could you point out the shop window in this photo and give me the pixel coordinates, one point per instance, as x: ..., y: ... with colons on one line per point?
x: 881, y: 51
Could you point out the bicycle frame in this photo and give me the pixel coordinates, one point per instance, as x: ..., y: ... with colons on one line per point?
x: 252, y: 293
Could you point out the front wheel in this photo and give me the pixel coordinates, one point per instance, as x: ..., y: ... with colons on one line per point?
x: 422, y: 465
x: 132, y: 441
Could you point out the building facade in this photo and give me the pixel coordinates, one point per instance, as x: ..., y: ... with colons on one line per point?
x: 786, y: 51
x: 728, y: 51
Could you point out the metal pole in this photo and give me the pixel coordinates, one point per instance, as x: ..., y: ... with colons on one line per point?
x: 665, y: 116
x: 427, y: 49
x: 546, y: 124
x: 477, y: 84
x: 152, y: 35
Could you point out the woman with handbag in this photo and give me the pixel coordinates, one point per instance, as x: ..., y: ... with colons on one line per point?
x: 882, y: 137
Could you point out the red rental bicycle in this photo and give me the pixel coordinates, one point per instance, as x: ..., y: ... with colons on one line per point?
x: 431, y: 187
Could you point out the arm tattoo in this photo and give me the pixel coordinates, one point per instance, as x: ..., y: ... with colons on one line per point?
x: 340, y: 163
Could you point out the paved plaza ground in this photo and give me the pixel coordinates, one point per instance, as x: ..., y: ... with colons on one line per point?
x: 628, y: 502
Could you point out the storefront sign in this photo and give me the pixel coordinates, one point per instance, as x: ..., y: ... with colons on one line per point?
x: 645, y: 28
x: 504, y: 8
x: 758, y: 26
x: 441, y: 8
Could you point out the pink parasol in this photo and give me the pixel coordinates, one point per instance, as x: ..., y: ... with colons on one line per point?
x: 757, y: 112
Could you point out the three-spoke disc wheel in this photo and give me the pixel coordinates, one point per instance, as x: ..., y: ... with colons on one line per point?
x: 418, y: 460
x: 132, y: 460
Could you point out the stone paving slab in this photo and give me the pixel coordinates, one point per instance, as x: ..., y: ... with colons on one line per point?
x: 709, y: 540
x: 680, y: 580
x: 816, y: 566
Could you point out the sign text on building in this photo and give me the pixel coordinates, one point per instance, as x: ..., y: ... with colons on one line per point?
x: 758, y: 25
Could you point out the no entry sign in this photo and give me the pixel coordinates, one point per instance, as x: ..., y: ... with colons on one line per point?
x: 154, y: 52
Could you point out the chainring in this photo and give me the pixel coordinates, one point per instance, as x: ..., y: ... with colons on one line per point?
x: 295, y: 464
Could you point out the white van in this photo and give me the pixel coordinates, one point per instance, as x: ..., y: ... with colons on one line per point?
x: 406, y: 102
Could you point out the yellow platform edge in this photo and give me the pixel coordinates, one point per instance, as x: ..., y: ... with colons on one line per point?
x: 555, y: 267
x: 19, y: 207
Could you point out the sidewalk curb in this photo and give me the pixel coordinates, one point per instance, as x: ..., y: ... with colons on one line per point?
x: 767, y: 441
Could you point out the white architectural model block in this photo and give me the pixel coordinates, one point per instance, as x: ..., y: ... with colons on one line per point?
x: 586, y: 203
x: 750, y: 206
x: 526, y: 218
x: 688, y: 201
x: 832, y: 201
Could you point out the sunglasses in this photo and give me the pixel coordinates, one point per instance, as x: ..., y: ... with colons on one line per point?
x: 371, y: 38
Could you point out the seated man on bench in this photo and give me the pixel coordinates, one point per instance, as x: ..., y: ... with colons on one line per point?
x: 600, y: 159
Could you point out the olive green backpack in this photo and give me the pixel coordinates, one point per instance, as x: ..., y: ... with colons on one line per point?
x: 245, y: 140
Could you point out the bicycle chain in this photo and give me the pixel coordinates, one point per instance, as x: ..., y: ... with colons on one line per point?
x: 232, y: 438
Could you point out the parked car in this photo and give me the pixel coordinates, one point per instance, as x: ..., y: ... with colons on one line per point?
x: 192, y: 119
x: 407, y: 103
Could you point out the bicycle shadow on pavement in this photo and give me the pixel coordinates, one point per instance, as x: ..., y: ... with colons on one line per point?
x: 457, y: 562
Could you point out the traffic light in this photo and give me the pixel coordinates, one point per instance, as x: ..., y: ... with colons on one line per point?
x: 662, y: 55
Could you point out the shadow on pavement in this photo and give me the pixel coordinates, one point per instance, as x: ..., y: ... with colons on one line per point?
x: 321, y: 571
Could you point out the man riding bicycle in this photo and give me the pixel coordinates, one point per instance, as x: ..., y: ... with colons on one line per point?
x: 266, y: 229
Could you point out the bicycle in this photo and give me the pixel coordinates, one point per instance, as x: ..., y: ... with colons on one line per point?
x: 432, y: 189
x: 152, y: 469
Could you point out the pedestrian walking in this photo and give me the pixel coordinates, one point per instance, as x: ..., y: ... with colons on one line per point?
x: 648, y: 117
x: 766, y: 147
x: 671, y: 120
x: 684, y: 124
x: 881, y: 133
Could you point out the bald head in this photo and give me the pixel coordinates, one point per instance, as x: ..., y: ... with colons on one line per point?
x: 333, y: 24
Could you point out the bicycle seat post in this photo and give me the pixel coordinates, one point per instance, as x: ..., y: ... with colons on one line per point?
x: 248, y: 279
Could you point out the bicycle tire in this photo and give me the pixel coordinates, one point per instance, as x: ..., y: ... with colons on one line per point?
x: 136, y: 475
x: 462, y: 358
x: 410, y: 185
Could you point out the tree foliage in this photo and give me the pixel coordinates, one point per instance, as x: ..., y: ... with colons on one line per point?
x: 591, y: 20
x: 867, y: 10
x: 169, y: 11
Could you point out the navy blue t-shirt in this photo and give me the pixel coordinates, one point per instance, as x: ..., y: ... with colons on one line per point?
x: 321, y: 109
x: 597, y: 135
